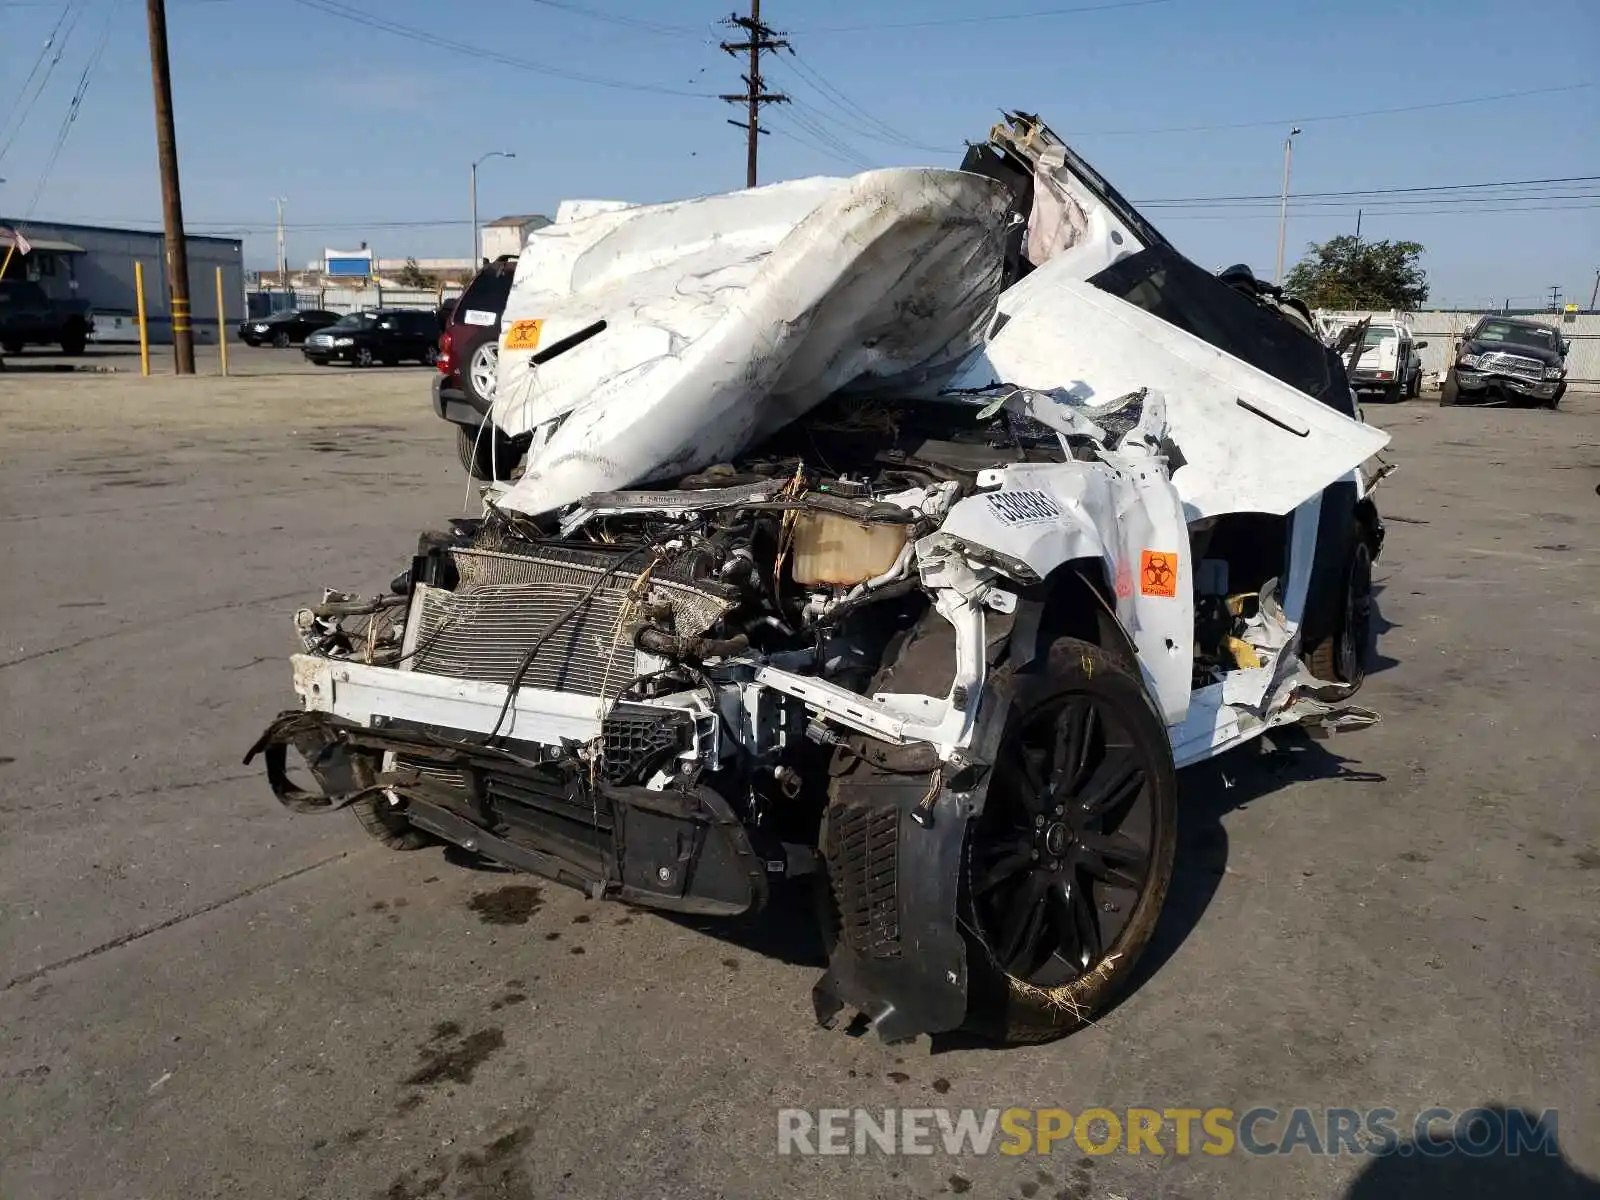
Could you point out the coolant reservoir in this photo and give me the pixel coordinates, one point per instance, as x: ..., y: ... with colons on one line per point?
x: 830, y: 549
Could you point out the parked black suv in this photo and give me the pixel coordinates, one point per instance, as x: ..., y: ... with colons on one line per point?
x: 378, y: 335
x: 469, y: 358
x: 285, y: 328
x: 1511, y: 359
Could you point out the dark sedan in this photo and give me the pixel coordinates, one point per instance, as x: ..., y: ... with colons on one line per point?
x: 380, y: 335
x: 285, y: 328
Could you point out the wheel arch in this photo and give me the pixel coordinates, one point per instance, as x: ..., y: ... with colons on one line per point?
x: 1075, y: 600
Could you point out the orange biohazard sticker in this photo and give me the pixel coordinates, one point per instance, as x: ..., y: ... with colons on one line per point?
x: 1158, y: 573
x: 523, y: 335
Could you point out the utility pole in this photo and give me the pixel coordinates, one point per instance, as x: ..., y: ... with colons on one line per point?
x: 1555, y: 297
x: 1595, y: 294
x: 171, y: 196
x: 283, y: 249
x: 1283, y: 205
x: 1358, y: 227
x: 761, y: 37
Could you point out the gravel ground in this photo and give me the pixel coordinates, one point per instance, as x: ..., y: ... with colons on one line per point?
x: 203, y: 995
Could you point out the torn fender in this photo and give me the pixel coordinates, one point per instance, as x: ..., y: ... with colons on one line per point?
x: 1123, y: 513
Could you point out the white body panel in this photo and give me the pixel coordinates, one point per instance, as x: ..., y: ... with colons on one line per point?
x: 729, y: 316
x: 1249, y: 442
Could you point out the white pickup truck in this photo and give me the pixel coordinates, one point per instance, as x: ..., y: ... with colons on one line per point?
x: 1389, y: 364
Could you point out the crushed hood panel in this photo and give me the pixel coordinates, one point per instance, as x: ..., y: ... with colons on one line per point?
x: 728, y: 317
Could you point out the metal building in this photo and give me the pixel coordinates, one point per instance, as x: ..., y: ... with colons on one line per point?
x: 95, y: 263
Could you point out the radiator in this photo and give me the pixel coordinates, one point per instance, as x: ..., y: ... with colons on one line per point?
x: 504, y: 602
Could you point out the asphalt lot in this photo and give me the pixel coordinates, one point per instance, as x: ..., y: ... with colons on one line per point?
x: 204, y: 995
x: 122, y: 358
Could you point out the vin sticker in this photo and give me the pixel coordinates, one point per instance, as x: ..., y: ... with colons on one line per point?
x: 1023, y: 508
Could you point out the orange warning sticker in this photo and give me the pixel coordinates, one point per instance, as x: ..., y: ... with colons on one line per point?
x: 1158, y: 573
x: 523, y: 335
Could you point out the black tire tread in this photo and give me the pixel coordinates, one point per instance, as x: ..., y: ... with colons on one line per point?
x: 392, y: 830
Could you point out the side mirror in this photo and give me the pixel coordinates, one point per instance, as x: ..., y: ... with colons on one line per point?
x: 1420, y: 345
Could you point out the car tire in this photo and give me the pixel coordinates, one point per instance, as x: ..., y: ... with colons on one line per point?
x: 1561, y: 390
x: 1414, y: 387
x: 1326, y: 624
x: 1449, y: 391
x: 281, y: 340
x: 1056, y: 914
x: 75, y: 338
x: 481, y: 450
x: 362, y: 357
x: 1342, y: 656
x: 387, y: 827
x: 430, y: 356
x: 11, y: 347
x: 1393, y: 393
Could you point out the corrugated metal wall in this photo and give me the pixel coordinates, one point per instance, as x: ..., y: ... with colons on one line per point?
x: 1442, y: 330
x: 104, y: 275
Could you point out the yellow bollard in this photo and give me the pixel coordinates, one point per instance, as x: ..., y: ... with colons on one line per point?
x: 144, y: 330
x: 222, y: 324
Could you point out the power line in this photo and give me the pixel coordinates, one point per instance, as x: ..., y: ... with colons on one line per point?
x: 811, y: 143
x: 1380, y: 206
x: 642, y: 26
x: 985, y: 19
x: 73, y: 105
x: 864, y: 123
x: 20, y: 109
x: 357, y: 16
x: 1433, y: 212
x: 1379, y: 191
x: 837, y: 147
x: 1278, y: 122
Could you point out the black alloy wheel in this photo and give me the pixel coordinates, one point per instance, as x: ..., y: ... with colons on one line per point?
x: 1069, y: 862
x: 1059, y: 861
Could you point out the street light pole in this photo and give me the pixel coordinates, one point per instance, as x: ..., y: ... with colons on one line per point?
x: 1283, y: 204
x: 477, y: 240
x: 283, y: 247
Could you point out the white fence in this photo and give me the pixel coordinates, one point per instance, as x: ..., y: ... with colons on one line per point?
x: 1442, y: 330
x: 344, y: 300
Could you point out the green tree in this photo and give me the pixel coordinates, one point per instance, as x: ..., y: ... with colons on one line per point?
x: 1347, y: 273
x: 413, y: 276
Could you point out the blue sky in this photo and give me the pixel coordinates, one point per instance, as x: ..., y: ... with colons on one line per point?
x: 362, y: 129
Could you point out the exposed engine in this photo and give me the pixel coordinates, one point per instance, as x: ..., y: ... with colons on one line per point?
x: 659, y: 604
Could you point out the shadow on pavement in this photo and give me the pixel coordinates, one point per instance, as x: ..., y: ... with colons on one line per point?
x: 788, y: 929
x: 1209, y: 792
x: 1451, y: 1167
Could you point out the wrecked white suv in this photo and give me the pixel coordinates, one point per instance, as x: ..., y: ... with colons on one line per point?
x: 909, y: 531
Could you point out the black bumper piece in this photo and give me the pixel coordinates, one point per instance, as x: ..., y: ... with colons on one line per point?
x: 457, y: 405
x: 681, y: 849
